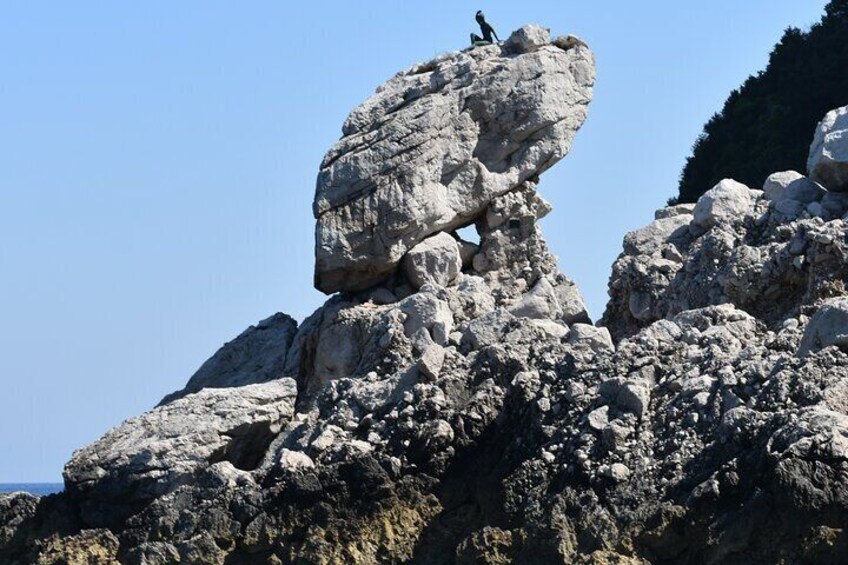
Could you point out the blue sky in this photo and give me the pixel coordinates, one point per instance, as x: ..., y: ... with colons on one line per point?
x: 158, y: 162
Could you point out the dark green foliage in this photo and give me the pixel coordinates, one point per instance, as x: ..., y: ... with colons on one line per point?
x: 767, y: 124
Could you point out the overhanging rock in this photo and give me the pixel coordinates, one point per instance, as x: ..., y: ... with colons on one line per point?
x: 436, y: 144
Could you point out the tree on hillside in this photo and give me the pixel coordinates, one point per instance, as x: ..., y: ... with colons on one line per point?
x: 766, y: 125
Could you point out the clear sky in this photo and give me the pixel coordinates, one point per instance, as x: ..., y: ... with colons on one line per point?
x: 158, y: 163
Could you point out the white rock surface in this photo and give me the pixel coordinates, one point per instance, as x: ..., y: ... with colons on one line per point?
x: 722, y: 204
x: 295, y: 460
x: 828, y: 160
x: 151, y: 455
x: 427, y: 311
x: 528, y: 39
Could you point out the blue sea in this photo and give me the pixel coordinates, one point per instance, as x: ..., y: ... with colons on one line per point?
x: 40, y: 489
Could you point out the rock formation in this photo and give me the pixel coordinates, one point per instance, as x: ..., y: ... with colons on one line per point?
x: 455, y: 405
x: 436, y: 144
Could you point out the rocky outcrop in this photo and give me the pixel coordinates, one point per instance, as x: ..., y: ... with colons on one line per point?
x: 257, y: 355
x: 436, y: 144
x: 773, y: 253
x: 147, y: 457
x: 462, y: 409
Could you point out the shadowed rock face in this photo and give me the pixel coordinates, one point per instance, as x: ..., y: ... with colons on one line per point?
x: 436, y: 144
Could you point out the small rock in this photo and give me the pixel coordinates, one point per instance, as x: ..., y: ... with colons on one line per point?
x: 295, y: 460
x: 619, y: 472
x: 568, y: 42
x: 327, y: 438
x: 436, y: 260
x: 431, y: 362
x: 597, y: 339
x: 527, y: 39
x: 615, y: 435
x: 599, y: 418
x: 725, y: 202
x: 634, y: 397
x: 539, y: 303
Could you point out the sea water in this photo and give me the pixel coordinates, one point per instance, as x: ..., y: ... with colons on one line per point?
x: 40, y: 489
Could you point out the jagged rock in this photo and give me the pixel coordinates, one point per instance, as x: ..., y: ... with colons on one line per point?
x: 257, y: 355
x: 828, y: 160
x: 92, y: 547
x: 571, y: 302
x: 765, y: 257
x: 436, y: 260
x: 15, y: 509
x: 427, y: 311
x: 432, y: 361
x: 435, y: 145
x: 149, y: 456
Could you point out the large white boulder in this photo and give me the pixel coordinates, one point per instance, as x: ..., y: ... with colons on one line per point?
x: 828, y: 160
x: 436, y: 144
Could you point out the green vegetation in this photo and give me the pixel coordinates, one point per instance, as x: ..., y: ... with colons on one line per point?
x: 767, y: 124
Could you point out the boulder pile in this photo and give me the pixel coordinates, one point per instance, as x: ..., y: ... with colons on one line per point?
x: 453, y: 403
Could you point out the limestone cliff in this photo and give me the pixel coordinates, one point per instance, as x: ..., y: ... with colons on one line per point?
x: 454, y: 405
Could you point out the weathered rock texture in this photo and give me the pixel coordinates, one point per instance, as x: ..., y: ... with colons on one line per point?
x: 436, y: 144
x: 476, y: 417
x: 152, y: 455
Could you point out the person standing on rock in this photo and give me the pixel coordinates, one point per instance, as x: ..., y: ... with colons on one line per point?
x: 487, y: 30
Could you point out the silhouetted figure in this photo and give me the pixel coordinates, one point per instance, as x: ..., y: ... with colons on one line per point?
x: 487, y: 30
